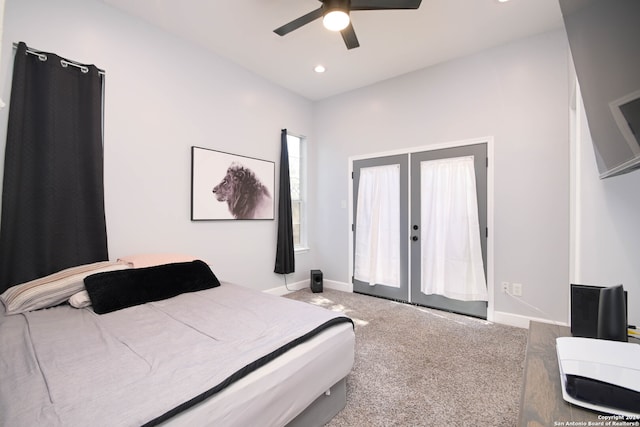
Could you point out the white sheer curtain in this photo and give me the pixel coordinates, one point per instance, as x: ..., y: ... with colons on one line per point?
x: 377, y: 246
x: 450, y: 238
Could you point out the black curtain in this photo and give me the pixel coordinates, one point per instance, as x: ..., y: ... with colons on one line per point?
x: 53, y: 198
x: 285, y: 257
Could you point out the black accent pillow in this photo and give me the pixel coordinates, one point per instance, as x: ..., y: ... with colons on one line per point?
x: 114, y: 290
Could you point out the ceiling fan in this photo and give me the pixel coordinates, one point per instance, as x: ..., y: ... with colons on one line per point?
x: 335, y: 16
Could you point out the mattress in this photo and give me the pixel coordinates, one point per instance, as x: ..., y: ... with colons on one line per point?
x: 227, y: 356
x: 275, y: 394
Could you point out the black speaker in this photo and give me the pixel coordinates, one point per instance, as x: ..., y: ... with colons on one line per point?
x: 585, y: 302
x: 316, y: 281
x: 612, y: 314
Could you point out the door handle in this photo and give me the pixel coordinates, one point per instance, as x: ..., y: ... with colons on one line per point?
x: 414, y: 238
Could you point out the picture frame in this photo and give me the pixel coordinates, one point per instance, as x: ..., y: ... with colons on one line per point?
x: 227, y: 186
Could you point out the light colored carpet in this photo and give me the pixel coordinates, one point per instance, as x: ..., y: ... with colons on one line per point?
x: 415, y: 366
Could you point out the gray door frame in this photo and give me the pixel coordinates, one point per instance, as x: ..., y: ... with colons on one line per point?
x: 491, y: 314
x: 401, y: 293
x: 479, y: 153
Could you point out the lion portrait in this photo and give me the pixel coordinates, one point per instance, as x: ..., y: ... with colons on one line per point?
x: 246, y: 196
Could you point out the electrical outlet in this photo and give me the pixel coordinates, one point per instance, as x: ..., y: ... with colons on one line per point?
x: 517, y: 289
x: 505, y: 287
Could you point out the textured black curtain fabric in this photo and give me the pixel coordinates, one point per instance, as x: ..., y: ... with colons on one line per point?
x: 53, y: 195
x: 285, y: 257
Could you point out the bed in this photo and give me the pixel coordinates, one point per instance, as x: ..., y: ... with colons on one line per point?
x: 166, y: 353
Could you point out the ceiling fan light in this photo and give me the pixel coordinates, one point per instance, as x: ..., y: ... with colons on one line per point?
x: 336, y: 20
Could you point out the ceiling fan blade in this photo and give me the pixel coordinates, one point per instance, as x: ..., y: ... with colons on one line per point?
x: 384, y: 4
x: 349, y: 37
x: 297, y: 23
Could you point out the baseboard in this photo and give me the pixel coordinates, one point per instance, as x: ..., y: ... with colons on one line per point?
x: 330, y: 284
x: 520, y: 321
x: 292, y: 287
x: 338, y: 286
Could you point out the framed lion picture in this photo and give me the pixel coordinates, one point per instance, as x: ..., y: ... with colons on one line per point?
x: 228, y: 186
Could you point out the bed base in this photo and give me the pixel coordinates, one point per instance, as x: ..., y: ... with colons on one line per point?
x: 324, y: 408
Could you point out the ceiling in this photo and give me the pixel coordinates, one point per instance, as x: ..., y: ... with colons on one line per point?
x: 392, y: 42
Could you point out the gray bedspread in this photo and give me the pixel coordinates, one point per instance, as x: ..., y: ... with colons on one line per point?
x: 71, y: 367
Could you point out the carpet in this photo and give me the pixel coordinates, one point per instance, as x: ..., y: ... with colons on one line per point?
x: 416, y: 366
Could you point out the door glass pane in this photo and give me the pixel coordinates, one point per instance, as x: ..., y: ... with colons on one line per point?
x: 377, y: 245
x: 451, y: 262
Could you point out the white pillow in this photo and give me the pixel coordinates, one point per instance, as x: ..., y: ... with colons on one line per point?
x: 150, y: 260
x: 80, y: 300
x: 53, y: 289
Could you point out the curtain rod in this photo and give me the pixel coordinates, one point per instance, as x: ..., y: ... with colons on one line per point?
x: 64, y: 62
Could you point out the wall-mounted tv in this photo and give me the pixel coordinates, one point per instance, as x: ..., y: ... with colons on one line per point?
x: 604, y: 37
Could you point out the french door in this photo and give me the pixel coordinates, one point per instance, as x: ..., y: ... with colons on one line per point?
x: 403, y: 206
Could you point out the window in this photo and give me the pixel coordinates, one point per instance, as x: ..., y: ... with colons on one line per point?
x: 297, y: 173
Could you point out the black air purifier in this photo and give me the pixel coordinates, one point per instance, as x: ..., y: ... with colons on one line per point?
x: 585, y: 302
x: 316, y: 281
x: 612, y: 314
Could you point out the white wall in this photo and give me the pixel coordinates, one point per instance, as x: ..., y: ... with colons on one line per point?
x: 519, y: 94
x: 164, y: 95
x: 606, y: 237
x: 1, y: 32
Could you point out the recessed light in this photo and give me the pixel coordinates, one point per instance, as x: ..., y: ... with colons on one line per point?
x: 319, y: 69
